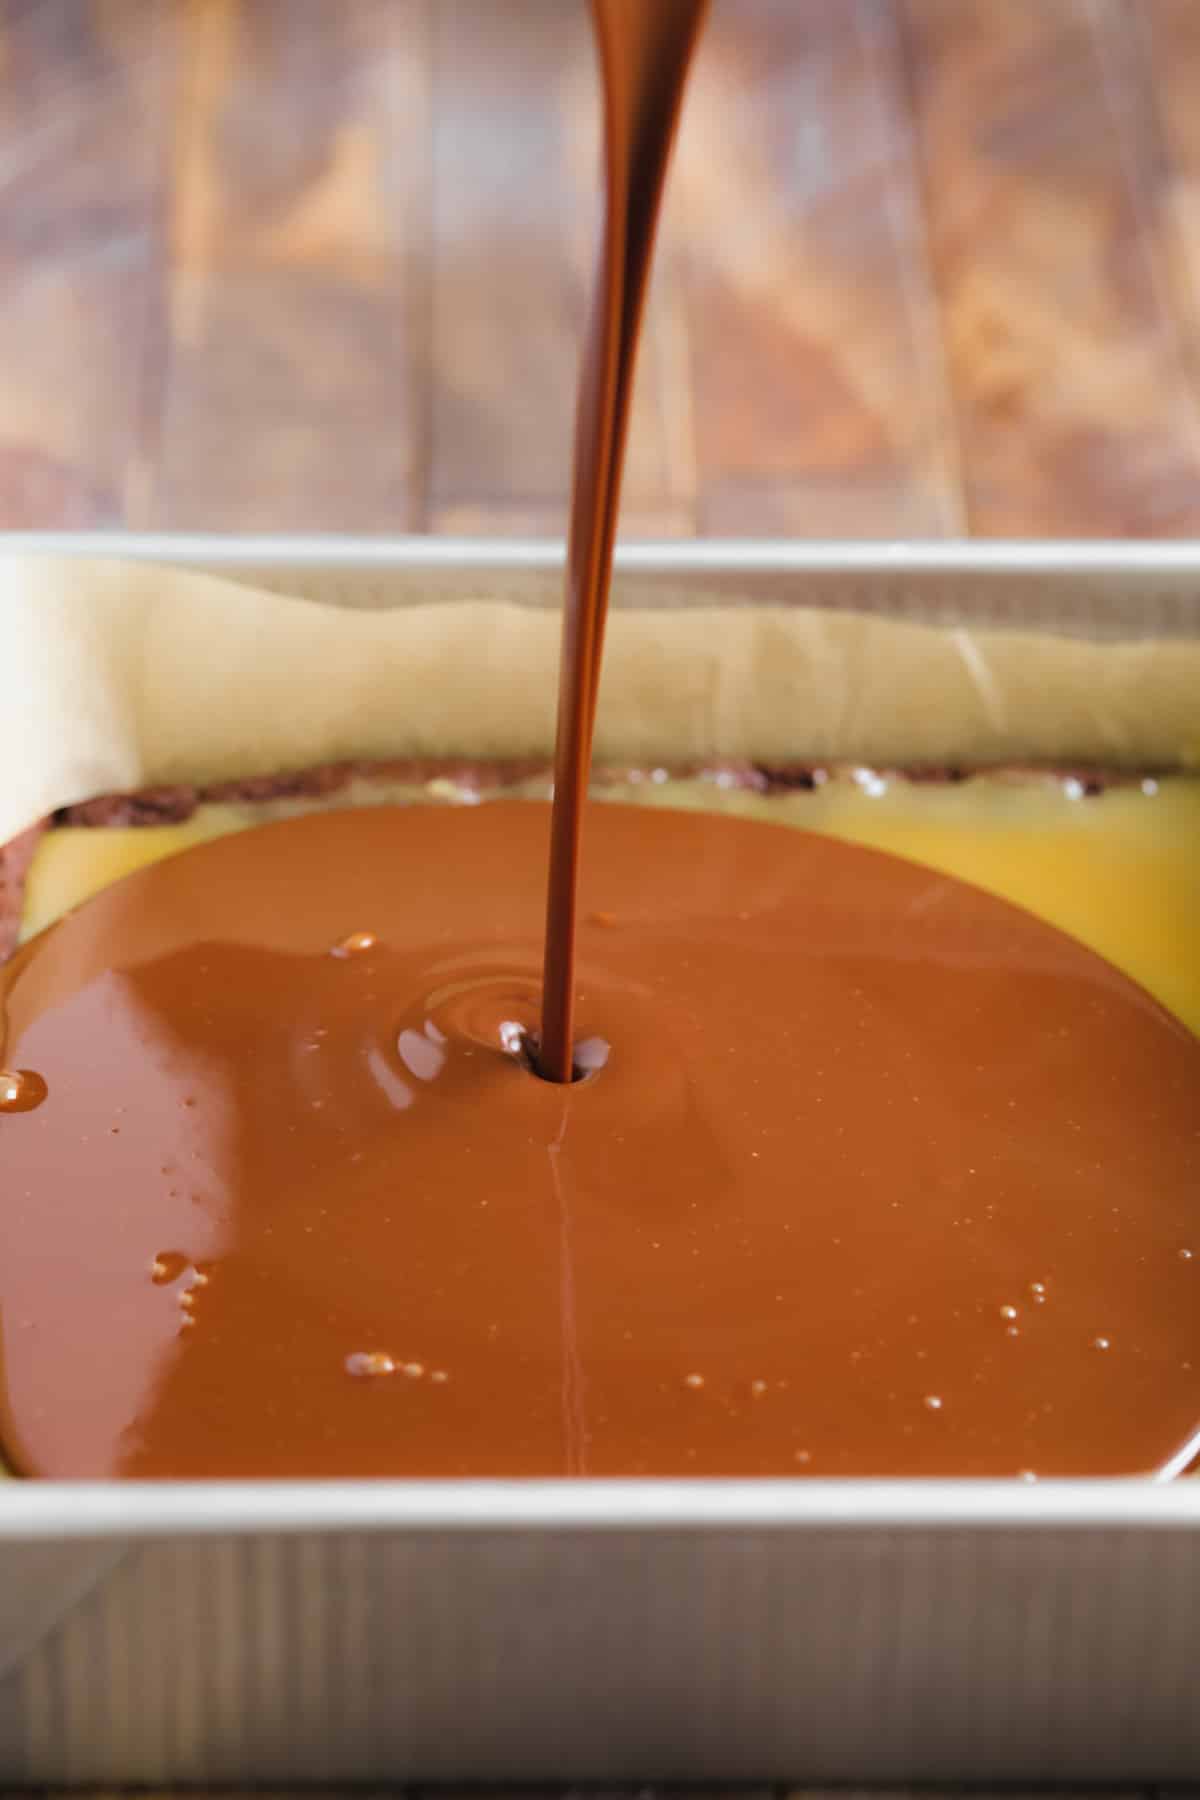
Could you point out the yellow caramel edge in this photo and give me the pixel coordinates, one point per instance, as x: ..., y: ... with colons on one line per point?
x: 1118, y: 870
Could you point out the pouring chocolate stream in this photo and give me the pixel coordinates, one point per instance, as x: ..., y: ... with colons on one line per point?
x: 645, y: 51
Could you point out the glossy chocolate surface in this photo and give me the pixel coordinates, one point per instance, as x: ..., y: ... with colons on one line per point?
x: 880, y: 1175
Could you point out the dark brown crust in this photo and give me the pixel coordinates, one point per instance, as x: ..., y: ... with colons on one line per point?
x: 173, y: 805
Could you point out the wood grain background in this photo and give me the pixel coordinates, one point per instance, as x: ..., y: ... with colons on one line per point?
x: 928, y: 267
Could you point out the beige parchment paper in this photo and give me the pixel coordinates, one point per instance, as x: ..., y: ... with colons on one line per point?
x: 117, y: 675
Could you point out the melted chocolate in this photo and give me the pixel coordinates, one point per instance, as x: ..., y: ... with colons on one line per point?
x: 880, y: 1176
x: 867, y: 1173
x: 644, y: 57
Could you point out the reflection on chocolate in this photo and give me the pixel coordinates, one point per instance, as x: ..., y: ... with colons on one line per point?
x: 874, y: 1163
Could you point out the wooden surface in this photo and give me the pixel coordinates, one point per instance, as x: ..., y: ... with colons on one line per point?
x: 928, y: 267
x: 763, y: 1791
x: 778, y: 1791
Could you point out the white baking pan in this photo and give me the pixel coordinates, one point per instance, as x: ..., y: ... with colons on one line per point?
x: 802, y: 1631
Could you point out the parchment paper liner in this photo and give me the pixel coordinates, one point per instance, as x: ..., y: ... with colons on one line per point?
x: 118, y: 675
